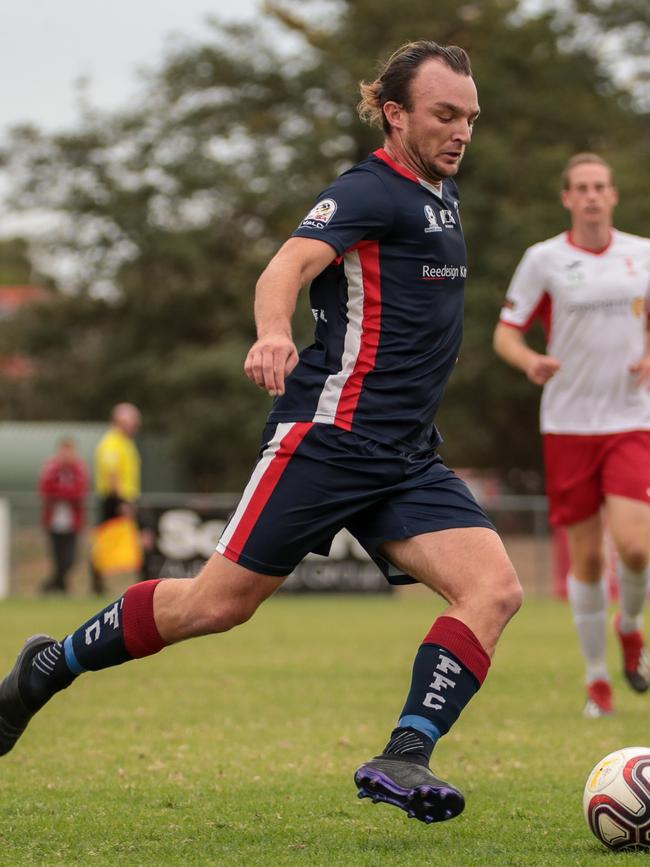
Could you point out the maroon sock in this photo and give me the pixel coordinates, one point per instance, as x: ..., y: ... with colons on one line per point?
x: 141, y: 636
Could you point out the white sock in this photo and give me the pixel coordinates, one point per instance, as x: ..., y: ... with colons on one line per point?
x: 589, y: 605
x: 634, y: 589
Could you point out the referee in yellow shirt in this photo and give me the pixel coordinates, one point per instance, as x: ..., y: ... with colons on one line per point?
x: 117, y: 471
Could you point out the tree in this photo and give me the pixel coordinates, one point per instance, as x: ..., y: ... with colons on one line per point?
x: 170, y: 210
x: 623, y: 28
x: 15, y: 263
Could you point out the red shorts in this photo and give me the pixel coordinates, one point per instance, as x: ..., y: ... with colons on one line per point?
x: 582, y: 468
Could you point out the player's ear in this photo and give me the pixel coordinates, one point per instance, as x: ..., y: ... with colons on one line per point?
x: 394, y: 113
x: 564, y: 198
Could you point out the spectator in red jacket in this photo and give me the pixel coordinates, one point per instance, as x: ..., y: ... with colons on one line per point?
x: 63, y: 486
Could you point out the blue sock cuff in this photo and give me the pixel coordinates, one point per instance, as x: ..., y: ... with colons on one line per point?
x: 422, y: 724
x: 71, y: 658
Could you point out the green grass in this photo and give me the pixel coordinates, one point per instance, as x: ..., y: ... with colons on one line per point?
x: 240, y: 749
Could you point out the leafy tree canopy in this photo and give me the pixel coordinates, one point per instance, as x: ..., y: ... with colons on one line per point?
x: 15, y: 263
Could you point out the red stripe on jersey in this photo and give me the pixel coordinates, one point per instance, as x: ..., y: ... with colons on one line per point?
x: 370, y: 331
x: 268, y: 483
x: 543, y: 312
x: 382, y: 155
x: 598, y: 252
x: 512, y: 325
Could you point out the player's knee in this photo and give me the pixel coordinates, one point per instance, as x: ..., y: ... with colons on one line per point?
x: 588, y: 566
x: 634, y: 556
x: 223, y: 618
x: 506, y: 593
x: 222, y: 615
x: 594, y: 565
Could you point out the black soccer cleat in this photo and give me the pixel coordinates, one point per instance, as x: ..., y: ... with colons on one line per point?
x: 639, y: 678
x: 409, y: 786
x: 636, y: 659
x: 14, y: 713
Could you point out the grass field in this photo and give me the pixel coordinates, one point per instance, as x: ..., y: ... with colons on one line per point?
x: 240, y: 749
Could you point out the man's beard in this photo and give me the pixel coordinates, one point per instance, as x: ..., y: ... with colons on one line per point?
x: 431, y: 169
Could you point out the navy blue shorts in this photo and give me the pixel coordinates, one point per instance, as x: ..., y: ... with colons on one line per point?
x: 311, y: 480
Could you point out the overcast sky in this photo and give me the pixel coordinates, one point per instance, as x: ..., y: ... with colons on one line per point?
x: 47, y: 45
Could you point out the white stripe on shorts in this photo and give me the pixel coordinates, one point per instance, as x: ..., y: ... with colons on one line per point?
x: 249, y: 492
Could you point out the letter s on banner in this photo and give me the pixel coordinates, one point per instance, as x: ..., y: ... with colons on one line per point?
x: 183, y: 535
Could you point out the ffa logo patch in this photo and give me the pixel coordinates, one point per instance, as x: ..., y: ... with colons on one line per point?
x: 430, y: 215
x: 320, y: 214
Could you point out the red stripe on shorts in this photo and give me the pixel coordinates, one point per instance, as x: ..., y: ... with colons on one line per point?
x: 288, y: 445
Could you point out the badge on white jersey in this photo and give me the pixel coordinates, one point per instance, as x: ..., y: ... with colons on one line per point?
x: 320, y: 214
x: 639, y: 306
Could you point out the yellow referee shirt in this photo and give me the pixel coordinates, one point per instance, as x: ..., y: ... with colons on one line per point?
x: 117, y: 466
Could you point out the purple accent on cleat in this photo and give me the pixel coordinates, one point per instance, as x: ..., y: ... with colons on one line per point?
x: 410, y: 787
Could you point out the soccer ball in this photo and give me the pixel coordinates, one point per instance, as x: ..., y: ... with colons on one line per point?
x: 616, y: 801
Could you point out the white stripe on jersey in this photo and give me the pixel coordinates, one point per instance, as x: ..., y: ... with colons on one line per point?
x: 335, y: 383
x: 261, y: 467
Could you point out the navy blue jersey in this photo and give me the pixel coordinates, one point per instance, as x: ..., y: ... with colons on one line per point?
x: 388, y: 310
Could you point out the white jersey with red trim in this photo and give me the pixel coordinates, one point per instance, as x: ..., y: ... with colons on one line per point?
x: 594, y: 306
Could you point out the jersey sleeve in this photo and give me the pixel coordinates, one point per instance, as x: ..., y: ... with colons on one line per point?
x: 526, y: 291
x: 356, y: 207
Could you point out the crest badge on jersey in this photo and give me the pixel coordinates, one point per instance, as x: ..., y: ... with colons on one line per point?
x: 320, y: 214
x: 430, y: 214
x: 447, y: 219
x: 574, y: 272
x: 638, y: 306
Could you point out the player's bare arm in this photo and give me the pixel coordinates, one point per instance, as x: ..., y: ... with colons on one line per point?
x: 510, y: 344
x: 273, y: 355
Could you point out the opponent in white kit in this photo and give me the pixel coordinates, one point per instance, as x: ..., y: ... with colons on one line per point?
x: 589, y: 286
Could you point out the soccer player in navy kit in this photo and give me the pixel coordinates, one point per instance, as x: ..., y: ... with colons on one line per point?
x: 350, y: 440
